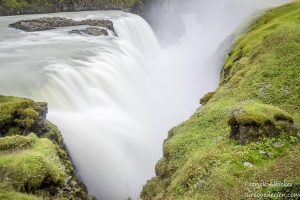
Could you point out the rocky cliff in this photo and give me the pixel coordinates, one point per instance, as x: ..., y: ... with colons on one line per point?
x: 34, y: 163
x: 244, y: 141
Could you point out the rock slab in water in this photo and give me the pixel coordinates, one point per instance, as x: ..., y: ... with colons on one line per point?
x: 47, y: 23
x: 94, y: 31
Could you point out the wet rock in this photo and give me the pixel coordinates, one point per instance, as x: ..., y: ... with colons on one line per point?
x: 47, y: 23
x: 100, y: 23
x: 90, y: 31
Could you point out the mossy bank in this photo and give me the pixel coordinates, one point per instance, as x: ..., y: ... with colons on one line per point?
x: 244, y: 140
x: 33, y: 161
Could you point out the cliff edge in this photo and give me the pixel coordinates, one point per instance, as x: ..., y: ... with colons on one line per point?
x: 34, y: 163
x: 244, y: 141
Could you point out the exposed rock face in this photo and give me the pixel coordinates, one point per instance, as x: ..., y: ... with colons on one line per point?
x: 47, y: 23
x: 253, y: 121
x: 90, y: 31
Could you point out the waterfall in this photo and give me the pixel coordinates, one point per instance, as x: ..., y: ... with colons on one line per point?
x: 92, y: 85
x: 113, y: 98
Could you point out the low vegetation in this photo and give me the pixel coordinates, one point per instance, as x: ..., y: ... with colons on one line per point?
x: 247, y: 132
x: 33, y: 161
x: 25, y: 4
x: 30, y: 163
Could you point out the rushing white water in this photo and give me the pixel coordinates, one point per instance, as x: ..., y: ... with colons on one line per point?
x: 114, y: 98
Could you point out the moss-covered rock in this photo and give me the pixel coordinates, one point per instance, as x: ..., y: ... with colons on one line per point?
x: 206, y: 98
x: 36, y: 163
x: 254, y: 121
x: 257, y: 103
x: 20, y: 116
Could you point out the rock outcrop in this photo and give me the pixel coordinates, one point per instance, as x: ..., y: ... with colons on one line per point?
x: 90, y: 31
x: 40, y: 161
x: 47, y: 23
x: 252, y: 122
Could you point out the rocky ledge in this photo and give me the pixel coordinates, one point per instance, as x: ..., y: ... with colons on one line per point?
x: 47, y: 23
x: 94, y: 31
x: 34, y: 163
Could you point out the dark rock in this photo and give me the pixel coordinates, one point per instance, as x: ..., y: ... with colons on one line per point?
x: 247, y: 127
x: 206, y: 98
x: 100, y: 23
x: 47, y: 23
x: 90, y: 31
x: 83, y: 186
x: 237, y: 58
x: 281, y: 117
x: 244, y: 133
x: 226, y: 72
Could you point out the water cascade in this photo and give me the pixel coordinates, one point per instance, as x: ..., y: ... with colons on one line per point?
x: 114, y: 98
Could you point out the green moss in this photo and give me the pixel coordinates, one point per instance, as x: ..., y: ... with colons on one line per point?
x: 14, y: 131
x: 17, y: 4
x: 31, y: 164
x: 20, y: 113
x: 259, y: 88
x: 17, y: 142
x: 27, y: 169
x: 53, y: 134
x: 10, y: 194
x: 206, y: 98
